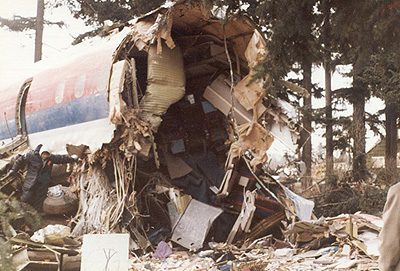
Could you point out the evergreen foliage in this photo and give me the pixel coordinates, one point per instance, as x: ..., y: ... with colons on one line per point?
x: 95, y: 12
x: 6, y: 256
x: 16, y: 214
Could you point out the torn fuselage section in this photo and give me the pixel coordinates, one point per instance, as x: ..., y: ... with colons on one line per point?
x: 192, y: 133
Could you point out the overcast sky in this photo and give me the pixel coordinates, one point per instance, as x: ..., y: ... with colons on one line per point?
x: 17, y: 48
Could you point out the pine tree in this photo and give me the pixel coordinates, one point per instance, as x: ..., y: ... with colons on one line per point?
x: 13, y: 213
x: 291, y: 43
x: 387, y: 71
x: 327, y: 48
x: 381, y: 71
x: 352, y: 29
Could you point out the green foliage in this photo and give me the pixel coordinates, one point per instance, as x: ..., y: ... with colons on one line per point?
x: 95, y: 12
x: 374, y: 122
x: 16, y: 214
x: 382, y: 75
x: 290, y: 36
x: 386, y: 16
x: 18, y: 23
x: 6, y: 256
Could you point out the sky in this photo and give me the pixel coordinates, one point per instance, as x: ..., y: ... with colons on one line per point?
x: 17, y: 48
x: 17, y: 53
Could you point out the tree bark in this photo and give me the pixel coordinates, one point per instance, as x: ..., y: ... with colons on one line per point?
x: 307, y: 124
x: 328, y: 88
x: 391, y: 114
x: 328, y: 116
x: 360, y: 171
x: 39, y: 30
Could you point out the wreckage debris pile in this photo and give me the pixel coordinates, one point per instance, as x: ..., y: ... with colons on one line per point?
x: 353, y: 248
x: 346, y: 242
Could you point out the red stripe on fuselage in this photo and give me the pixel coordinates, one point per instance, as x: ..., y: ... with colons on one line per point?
x: 45, y: 89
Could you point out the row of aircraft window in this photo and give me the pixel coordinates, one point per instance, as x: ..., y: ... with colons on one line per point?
x: 102, y: 80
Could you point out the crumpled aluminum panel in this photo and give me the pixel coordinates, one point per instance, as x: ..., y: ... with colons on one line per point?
x: 194, y: 224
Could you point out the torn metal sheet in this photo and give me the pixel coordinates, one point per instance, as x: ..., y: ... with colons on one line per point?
x: 192, y: 228
x: 176, y: 166
x: 249, y: 93
x: 300, y: 90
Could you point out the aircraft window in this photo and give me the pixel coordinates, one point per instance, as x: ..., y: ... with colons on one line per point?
x: 102, y: 79
x: 80, y: 85
x: 60, y: 92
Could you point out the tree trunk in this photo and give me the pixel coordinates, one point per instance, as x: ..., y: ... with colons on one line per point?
x: 391, y: 143
x: 328, y: 116
x: 360, y: 171
x: 328, y: 88
x: 39, y: 30
x: 307, y: 148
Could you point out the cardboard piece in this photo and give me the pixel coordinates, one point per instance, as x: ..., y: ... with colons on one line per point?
x: 105, y: 252
x: 249, y: 93
x: 219, y: 95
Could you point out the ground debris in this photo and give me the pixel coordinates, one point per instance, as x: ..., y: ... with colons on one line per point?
x: 262, y: 258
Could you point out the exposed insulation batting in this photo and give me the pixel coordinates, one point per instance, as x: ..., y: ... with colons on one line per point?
x: 166, y: 80
x: 256, y: 49
x: 248, y: 93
